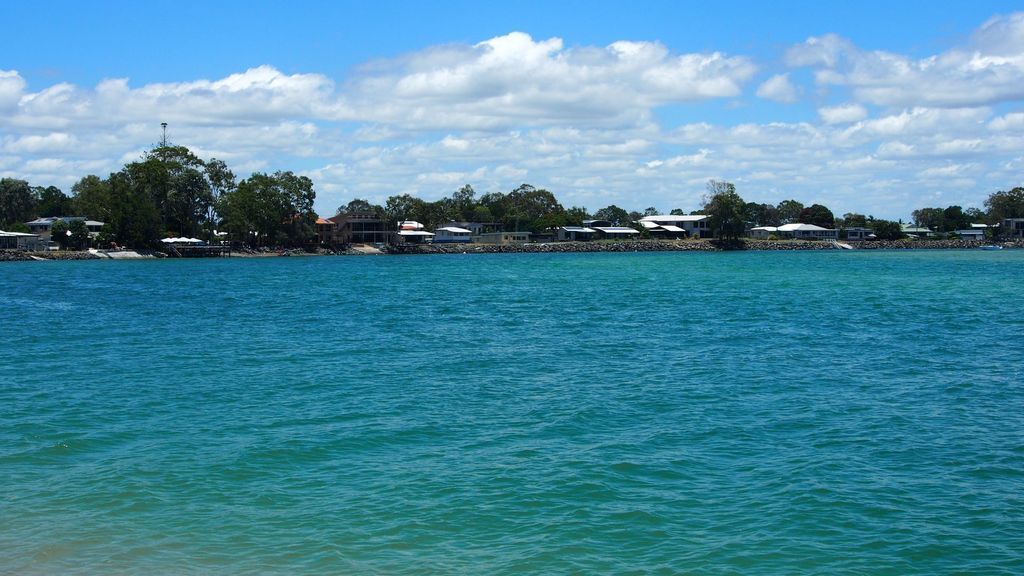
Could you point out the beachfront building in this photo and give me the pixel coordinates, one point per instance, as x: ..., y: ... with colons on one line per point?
x: 360, y: 228
x: 20, y: 241
x: 325, y: 231
x: 412, y: 232
x: 615, y: 232
x: 452, y: 234
x: 916, y: 231
x: 857, y: 233
x: 502, y: 238
x: 1013, y: 227
x: 973, y: 234
x: 475, y: 228
x: 762, y: 232
x: 574, y: 233
x: 42, y: 226
x: 798, y: 231
x: 677, y: 225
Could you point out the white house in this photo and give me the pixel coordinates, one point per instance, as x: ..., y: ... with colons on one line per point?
x: 972, y: 234
x: 574, y: 233
x: 448, y: 234
x: 805, y: 232
x: 858, y: 233
x: 20, y: 241
x: 693, y: 225
x: 763, y: 232
x: 502, y: 237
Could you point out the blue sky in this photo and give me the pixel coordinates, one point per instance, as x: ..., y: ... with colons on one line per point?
x: 874, y: 107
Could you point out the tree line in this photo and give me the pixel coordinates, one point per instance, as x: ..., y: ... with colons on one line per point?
x: 170, y: 192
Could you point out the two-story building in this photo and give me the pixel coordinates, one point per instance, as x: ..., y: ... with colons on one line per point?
x: 677, y: 225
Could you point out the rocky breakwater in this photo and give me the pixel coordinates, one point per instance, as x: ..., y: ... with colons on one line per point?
x: 701, y: 245
x: 907, y: 244
x: 14, y: 256
x: 19, y: 256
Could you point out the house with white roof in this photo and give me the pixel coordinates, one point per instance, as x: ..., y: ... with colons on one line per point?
x: 412, y: 231
x: 451, y: 234
x: 799, y: 231
x: 574, y: 233
x: 677, y: 225
x: 20, y: 241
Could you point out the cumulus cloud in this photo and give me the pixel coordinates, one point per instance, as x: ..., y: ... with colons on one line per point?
x: 988, y: 70
x: 514, y: 80
x: 778, y: 88
x: 843, y: 114
x: 583, y: 121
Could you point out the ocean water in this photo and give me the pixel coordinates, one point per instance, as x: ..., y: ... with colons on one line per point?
x: 736, y: 413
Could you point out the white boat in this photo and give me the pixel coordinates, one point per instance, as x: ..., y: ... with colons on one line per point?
x: 991, y: 247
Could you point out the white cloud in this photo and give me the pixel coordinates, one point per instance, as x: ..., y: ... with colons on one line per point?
x: 988, y: 70
x: 778, y: 88
x: 584, y: 121
x: 843, y: 114
x: 513, y: 80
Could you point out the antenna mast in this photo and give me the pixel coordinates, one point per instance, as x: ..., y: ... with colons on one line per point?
x: 163, y: 141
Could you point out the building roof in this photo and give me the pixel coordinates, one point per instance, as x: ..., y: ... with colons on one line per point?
x: 410, y: 225
x: 674, y: 218
x: 616, y: 230
x: 671, y: 228
x: 454, y: 229
x: 766, y: 228
x: 321, y: 221
x: 795, y: 227
x: 414, y: 233
x: 16, y: 234
x: 578, y: 229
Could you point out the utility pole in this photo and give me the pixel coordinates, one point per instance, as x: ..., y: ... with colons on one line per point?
x: 163, y: 141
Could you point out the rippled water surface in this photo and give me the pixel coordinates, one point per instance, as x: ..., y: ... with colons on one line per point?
x: 748, y: 413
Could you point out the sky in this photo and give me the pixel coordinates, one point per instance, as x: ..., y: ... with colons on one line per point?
x: 871, y: 107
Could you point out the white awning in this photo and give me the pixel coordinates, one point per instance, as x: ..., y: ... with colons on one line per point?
x: 414, y: 233
x: 454, y: 229
x: 670, y: 228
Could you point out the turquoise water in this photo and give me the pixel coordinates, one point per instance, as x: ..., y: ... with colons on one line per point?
x: 747, y: 413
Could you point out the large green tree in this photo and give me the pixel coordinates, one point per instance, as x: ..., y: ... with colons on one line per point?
x: 614, y: 214
x: 17, y: 205
x: 270, y: 209
x: 725, y: 209
x: 789, y: 211
x: 1005, y: 204
x: 817, y: 215
x: 51, y: 201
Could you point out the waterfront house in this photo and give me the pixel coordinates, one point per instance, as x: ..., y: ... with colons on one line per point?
x: 798, y: 231
x: 452, y: 234
x: 615, y: 232
x: 475, y: 228
x: 502, y: 237
x: 694, y: 225
x: 974, y: 234
x: 20, y: 241
x: 325, y: 231
x: 361, y: 228
x: 1013, y: 227
x: 42, y: 226
x: 858, y: 233
x: 413, y: 232
x: 762, y: 232
x: 574, y: 233
x: 915, y: 231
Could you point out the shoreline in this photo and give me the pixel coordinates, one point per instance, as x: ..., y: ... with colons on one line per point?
x: 702, y: 245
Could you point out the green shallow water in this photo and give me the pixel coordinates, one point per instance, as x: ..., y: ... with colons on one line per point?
x: 747, y: 413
